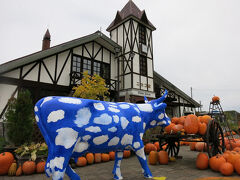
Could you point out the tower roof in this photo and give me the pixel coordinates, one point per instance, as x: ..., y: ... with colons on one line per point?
x: 130, y: 9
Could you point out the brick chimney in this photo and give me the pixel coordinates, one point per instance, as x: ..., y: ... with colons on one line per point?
x: 46, y: 40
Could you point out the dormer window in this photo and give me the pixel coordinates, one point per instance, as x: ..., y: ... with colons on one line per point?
x: 142, y: 34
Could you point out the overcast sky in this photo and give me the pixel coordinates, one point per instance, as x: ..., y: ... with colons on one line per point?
x: 196, y: 43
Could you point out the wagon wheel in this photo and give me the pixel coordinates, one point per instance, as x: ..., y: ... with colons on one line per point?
x: 214, y: 139
x: 173, y: 146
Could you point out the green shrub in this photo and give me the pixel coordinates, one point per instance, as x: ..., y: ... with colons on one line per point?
x: 19, y: 118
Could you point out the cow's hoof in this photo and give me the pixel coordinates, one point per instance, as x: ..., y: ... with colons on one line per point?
x: 118, y: 177
x: 148, y: 176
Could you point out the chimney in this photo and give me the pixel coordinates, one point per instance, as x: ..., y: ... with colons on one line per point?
x: 46, y: 40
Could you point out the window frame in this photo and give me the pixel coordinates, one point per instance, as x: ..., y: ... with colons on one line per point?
x: 143, y: 68
x: 142, y: 34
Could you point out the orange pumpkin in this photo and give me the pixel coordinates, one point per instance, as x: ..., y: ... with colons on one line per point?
x: 149, y: 147
x: 216, y: 161
x: 202, y: 128
x: 226, y: 154
x: 202, y: 161
x: 205, y: 119
x: 226, y: 169
x: 105, y: 157
x: 40, y: 168
x: 168, y: 128
x: 175, y: 120
x: 192, y: 146
x: 6, y: 159
x: 127, y: 153
x: 163, y: 157
x: 232, y: 157
x: 153, y: 157
x: 177, y: 128
x: 29, y: 167
x: 19, y: 170
x: 237, y: 166
x: 200, y: 146
x: 82, y: 161
x: 97, y: 157
x: 112, y: 155
x: 215, y: 99
x: 90, y: 158
x: 182, y: 120
x: 191, y: 124
x: 157, y: 145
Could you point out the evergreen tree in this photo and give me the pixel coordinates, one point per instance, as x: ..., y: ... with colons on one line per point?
x: 20, y: 119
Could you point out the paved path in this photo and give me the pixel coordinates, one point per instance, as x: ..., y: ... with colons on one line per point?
x: 182, y: 169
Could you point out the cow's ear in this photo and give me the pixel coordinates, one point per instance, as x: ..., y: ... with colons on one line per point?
x: 145, y: 99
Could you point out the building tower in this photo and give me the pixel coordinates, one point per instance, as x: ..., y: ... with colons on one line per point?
x: 132, y: 30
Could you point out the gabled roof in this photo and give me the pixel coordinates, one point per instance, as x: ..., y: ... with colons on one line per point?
x: 130, y: 9
x: 167, y: 84
x: 97, y: 36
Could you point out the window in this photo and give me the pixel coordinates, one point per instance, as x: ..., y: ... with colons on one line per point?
x: 87, y: 65
x: 105, y: 71
x: 76, y: 64
x: 143, y: 65
x: 81, y: 64
x: 96, y: 67
x: 142, y: 34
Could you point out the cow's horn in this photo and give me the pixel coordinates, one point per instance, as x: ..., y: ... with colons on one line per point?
x: 161, y: 99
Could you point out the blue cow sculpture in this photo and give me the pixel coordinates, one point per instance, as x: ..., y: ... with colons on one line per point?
x: 72, y: 127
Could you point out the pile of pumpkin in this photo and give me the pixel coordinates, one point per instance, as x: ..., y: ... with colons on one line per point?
x: 190, y: 124
x: 8, y: 164
x: 225, y: 163
x: 156, y: 155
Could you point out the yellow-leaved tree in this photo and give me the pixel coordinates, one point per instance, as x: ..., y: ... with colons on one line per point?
x: 91, y: 87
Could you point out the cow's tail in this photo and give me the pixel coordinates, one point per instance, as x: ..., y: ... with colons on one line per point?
x: 42, y: 127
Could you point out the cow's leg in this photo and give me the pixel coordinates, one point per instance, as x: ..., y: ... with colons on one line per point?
x: 116, y: 170
x: 72, y: 174
x: 143, y: 161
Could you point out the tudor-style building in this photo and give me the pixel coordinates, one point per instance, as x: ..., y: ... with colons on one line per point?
x: 125, y: 61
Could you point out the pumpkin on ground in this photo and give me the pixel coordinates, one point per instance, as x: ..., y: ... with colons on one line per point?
x: 192, y: 146
x: 232, y: 157
x: 216, y: 161
x: 90, y: 158
x: 82, y: 161
x: 149, y: 147
x: 202, y: 161
x: 237, y: 166
x: 191, y: 124
x: 29, y: 167
x: 105, y: 157
x: 153, y: 157
x: 19, y: 170
x: 97, y: 157
x: 112, y: 155
x: 6, y: 160
x: 40, y: 168
x: 201, y: 146
x: 13, y: 168
x: 226, y: 169
x: 127, y: 153
x: 163, y: 157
